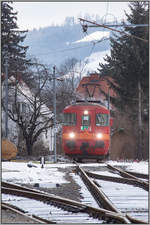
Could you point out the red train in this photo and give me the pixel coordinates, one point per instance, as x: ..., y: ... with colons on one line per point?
x: 86, y: 131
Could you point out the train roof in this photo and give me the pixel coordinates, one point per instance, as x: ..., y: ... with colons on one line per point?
x: 84, y: 104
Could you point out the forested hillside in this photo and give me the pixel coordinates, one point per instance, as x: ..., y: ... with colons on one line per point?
x: 55, y: 44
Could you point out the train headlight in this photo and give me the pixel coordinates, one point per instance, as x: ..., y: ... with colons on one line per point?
x: 72, y: 135
x: 86, y: 112
x: 99, y: 135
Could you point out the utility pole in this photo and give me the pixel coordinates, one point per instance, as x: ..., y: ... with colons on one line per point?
x: 139, y: 154
x: 54, y: 109
x: 108, y: 98
x: 6, y: 95
x: 109, y: 121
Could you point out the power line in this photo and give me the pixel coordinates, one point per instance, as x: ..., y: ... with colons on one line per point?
x: 63, y: 50
x: 105, y: 26
x: 122, y: 25
x: 94, y: 43
x: 88, y: 56
x: 107, y: 8
x: 73, y: 48
x: 79, y: 72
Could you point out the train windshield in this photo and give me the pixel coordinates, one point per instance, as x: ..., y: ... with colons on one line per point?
x: 69, y: 119
x: 85, y: 122
x: 102, y: 120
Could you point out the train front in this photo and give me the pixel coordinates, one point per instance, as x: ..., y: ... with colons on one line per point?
x: 86, y: 132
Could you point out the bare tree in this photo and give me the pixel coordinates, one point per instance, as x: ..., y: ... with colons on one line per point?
x: 28, y: 109
x: 70, y: 72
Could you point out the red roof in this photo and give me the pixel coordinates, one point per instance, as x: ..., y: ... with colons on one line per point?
x: 95, y: 85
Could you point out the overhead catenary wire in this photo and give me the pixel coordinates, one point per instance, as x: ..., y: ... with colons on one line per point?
x: 80, y: 72
x: 106, y: 14
x: 105, y: 26
x: 94, y: 43
x: 122, y: 25
x: 92, y: 48
x: 107, y: 8
x: 88, y: 56
x: 70, y: 49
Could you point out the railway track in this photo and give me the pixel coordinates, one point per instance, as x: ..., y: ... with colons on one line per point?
x: 65, y: 209
x: 139, y: 182
x: 139, y: 175
x: 125, y: 180
x: 65, y: 204
x: 53, y: 212
x: 99, y: 195
x: 129, y: 181
x: 16, y: 210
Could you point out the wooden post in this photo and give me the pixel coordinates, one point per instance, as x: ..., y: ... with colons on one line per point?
x: 139, y: 153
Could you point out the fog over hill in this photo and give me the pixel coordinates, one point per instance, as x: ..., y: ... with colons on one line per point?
x: 53, y: 45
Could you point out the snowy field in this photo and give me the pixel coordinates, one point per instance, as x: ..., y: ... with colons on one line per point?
x: 19, y: 172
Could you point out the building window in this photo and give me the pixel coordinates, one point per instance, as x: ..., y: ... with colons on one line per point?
x: 21, y: 108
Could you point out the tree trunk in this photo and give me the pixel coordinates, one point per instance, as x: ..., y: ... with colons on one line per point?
x: 29, y: 147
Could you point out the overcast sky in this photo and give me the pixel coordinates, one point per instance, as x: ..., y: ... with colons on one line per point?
x: 42, y: 14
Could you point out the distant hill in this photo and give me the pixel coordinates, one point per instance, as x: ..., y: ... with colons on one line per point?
x: 55, y: 44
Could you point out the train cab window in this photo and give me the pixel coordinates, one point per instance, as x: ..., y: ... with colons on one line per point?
x: 102, y: 120
x: 85, y: 122
x: 69, y: 119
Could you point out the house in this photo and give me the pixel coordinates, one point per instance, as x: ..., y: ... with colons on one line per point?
x: 24, y: 102
x: 95, y: 88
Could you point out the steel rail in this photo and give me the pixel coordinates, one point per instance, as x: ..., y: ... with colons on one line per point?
x: 21, y: 212
x: 142, y: 183
x: 47, y: 198
x: 42, y: 220
x: 16, y: 186
x: 131, y: 219
x: 139, y: 175
x: 68, y: 205
x: 135, y: 221
x: 99, y: 195
x: 129, y: 181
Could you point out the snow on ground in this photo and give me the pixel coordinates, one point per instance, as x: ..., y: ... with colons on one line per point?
x: 19, y: 172
x: 140, y: 167
x: 94, y: 59
x: 95, y: 36
x: 49, y: 176
x: 89, y: 64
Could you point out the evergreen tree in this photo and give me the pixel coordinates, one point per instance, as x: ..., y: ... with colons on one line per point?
x: 11, y: 42
x: 128, y: 65
x: 129, y: 60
